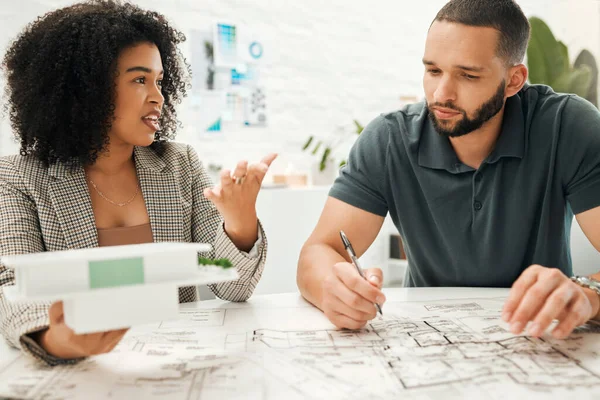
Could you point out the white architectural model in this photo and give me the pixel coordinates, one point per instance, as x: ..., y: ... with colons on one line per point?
x: 113, y: 287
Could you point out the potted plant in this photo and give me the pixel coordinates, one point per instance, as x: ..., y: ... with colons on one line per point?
x: 326, y: 152
x: 549, y: 64
x: 210, y: 56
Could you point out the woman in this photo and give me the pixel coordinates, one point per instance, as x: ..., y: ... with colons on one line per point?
x: 92, y: 93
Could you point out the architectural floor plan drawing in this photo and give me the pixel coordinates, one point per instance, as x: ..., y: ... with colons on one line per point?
x: 451, y: 349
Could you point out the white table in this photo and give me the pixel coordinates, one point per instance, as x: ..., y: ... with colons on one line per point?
x: 303, y: 356
x: 8, y: 353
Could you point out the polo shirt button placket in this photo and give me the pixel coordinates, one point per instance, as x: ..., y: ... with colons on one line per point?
x: 477, y: 205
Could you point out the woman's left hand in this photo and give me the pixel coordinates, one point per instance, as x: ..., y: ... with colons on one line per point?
x: 235, y: 198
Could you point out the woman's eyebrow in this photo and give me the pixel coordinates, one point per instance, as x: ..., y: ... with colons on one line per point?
x: 143, y: 69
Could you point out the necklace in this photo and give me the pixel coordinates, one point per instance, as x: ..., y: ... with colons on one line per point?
x: 137, y: 189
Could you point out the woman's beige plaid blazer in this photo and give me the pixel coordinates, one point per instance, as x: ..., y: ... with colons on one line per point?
x: 49, y: 209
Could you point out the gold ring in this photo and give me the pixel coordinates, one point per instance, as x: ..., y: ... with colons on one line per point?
x: 239, y: 180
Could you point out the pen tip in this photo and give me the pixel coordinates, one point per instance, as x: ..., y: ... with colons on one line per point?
x: 344, y: 239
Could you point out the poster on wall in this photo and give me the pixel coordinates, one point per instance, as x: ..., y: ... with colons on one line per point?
x: 255, y: 112
x: 227, y: 87
x: 207, y: 110
x: 225, y: 44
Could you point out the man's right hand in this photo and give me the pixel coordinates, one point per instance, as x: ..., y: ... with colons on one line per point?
x: 61, y: 341
x: 348, y: 299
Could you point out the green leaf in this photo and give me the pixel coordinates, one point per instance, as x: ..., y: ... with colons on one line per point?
x: 342, y: 163
x: 565, y: 56
x: 224, y: 263
x: 581, y: 78
x: 535, y: 63
x: 359, y: 127
x: 585, y: 57
x: 317, y: 148
x: 221, y: 262
x: 561, y: 85
x: 324, y: 159
x: 209, y: 51
x: 308, y: 142
x: 576, y: 81
x: 545, y: 55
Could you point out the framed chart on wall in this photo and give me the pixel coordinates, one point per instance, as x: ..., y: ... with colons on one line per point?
x: 225, y: 43
x: 228, y: 88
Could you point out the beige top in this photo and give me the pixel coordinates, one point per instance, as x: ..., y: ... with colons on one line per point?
x: 125, y: 235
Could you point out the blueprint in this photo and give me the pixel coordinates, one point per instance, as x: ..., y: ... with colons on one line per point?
x: 451, y: 349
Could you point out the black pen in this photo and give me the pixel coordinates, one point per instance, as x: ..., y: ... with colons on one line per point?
x: 352, y: 255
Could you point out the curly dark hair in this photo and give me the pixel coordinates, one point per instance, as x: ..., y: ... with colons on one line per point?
x: 61, y: 73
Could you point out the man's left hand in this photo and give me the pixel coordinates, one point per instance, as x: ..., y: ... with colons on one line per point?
x: 540, y: 296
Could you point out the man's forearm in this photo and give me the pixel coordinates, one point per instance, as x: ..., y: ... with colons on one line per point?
x: 315, y: 263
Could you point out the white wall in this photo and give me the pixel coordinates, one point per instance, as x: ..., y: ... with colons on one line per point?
x: 326, y: 63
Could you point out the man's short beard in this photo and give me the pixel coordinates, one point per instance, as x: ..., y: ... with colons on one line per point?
x: 465, y: 125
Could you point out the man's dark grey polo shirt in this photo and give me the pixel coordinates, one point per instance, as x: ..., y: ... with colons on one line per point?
x: 466, y: 227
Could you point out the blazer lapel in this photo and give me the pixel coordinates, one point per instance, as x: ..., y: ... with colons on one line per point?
x: 161, y: 194
x: 73, y: 206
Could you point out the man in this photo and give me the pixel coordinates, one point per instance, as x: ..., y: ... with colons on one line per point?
x: 482, y: 181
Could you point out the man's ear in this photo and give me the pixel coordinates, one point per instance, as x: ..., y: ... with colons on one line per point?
x: 517, y: 77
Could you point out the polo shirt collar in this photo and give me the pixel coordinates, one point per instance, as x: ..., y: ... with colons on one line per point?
x: 436, y: 152
x: 511, y: 142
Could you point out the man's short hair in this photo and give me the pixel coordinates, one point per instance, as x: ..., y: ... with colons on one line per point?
x: 503, y: 15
